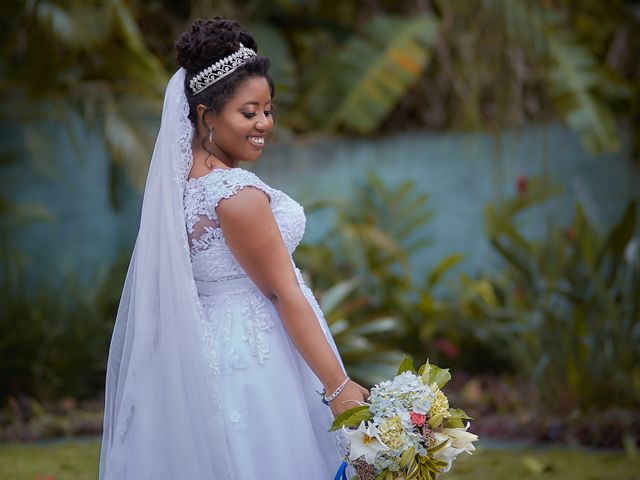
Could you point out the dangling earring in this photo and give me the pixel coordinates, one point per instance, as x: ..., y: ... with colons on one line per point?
x: 210, y: 135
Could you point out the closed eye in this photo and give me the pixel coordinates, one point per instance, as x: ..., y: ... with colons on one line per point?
x: 251, y: 114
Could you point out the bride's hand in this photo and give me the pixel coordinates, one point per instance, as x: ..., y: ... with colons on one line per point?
x: 351, y: 393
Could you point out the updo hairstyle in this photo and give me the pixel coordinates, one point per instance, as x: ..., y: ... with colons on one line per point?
x: 206, y: 42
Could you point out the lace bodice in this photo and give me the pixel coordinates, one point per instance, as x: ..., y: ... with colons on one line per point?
x: 211, y: 258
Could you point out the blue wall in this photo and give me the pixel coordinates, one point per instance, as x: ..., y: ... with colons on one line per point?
x: 71, y: 182
x: 460, y: 172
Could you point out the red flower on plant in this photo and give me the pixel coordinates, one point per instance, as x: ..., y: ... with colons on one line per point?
x: 418, y: 419
x: 571, y: 234
x: 519, y: 292
x: 522, y: 182
x: 446, y: 347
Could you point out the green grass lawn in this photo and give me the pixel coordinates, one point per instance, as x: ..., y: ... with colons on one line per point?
x: 78, y: 460
x: 72, y: 460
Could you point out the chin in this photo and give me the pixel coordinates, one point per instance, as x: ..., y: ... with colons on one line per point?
x: 251, y: 158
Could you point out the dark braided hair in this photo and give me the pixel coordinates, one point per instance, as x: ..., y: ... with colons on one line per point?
x: 206, y: 42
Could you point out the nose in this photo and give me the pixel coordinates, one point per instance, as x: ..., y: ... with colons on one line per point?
x: 262, y: 123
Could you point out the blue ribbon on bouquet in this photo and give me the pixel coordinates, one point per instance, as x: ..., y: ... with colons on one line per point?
x: 341, y: 473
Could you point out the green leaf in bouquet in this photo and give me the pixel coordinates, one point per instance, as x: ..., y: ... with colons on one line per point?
x: 437, y: 447
x: 454, y: 422
x: 413, y: 469
x: 459, y: 413
x: 436, y: 420
x: 441, y: 464
x: 433, y: 469
x: 351, y: 418
x: 429, y: 468
x: 406, y: 366
x: 407, y: 456
x: 434, y: 374
x: 411, y: 466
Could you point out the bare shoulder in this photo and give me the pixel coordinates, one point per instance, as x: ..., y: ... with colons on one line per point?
x: 248, y: 202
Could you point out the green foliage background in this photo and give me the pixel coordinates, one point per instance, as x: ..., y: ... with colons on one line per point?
x: 562, y: 313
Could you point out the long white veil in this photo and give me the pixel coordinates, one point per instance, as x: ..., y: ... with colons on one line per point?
x: 160, y: 418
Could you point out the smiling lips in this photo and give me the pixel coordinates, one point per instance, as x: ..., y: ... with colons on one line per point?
x: 256, y: 141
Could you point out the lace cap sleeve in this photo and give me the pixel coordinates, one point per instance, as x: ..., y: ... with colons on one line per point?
x: 228, y: 182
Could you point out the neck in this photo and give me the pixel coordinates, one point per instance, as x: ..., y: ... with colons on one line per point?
x: 212, y: 155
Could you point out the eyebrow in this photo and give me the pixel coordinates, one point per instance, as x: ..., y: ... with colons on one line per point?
x: 253, y: 103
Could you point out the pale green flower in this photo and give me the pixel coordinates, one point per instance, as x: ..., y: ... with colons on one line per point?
x: 392, y: 433
x: 440, y: 405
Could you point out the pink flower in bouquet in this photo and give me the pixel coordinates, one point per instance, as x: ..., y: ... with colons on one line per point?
x: 418, y: 419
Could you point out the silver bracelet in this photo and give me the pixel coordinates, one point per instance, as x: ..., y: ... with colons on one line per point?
x: 326, y: 399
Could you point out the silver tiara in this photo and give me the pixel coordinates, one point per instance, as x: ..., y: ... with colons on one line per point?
x: 220, y: 69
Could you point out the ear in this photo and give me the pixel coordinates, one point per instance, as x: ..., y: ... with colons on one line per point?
x: 208, y: 118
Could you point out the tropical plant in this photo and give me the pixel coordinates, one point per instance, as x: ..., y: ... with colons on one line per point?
x: 70, y: 60
x: 566, y: 306
x: 357, y: 333
x: 452, y: 64
x: 359, y: 262
x: 575, y: 79
x: 55, y: 338
x: 443, y: 64
x: 370, y: 74
x: 376, y: 235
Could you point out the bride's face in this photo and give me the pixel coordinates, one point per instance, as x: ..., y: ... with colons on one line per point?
x: 241, y: 127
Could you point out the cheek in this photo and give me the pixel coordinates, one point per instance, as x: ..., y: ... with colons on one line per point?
x: 231, y: 132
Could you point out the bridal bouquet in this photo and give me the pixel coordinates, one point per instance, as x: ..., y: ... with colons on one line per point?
x: 408, y: 430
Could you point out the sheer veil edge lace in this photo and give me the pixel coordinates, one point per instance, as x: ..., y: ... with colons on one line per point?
x: 160, y: 399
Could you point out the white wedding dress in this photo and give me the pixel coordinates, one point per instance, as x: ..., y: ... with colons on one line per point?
x: 203, y: 381
x: 271, y: 423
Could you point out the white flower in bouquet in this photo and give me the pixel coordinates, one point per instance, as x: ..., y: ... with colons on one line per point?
x: 365, y: 441
x: 460, y: 438
x: 458, y: 441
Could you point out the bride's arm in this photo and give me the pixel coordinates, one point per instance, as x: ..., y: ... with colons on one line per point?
x: 253, y: 236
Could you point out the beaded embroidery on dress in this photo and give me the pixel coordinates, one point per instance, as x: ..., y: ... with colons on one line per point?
x: 274, y: 422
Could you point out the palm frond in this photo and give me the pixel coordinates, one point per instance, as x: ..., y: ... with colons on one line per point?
x: 573, y: 79
x: 125, y: 140
x: 78, y: 25
x: 274, y: 46
x: 372, y: 72
x: 16, y: 214
x: 573, y: 74
x: 156, y: 74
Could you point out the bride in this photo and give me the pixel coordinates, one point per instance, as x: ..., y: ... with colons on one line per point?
x: 219, y: 348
